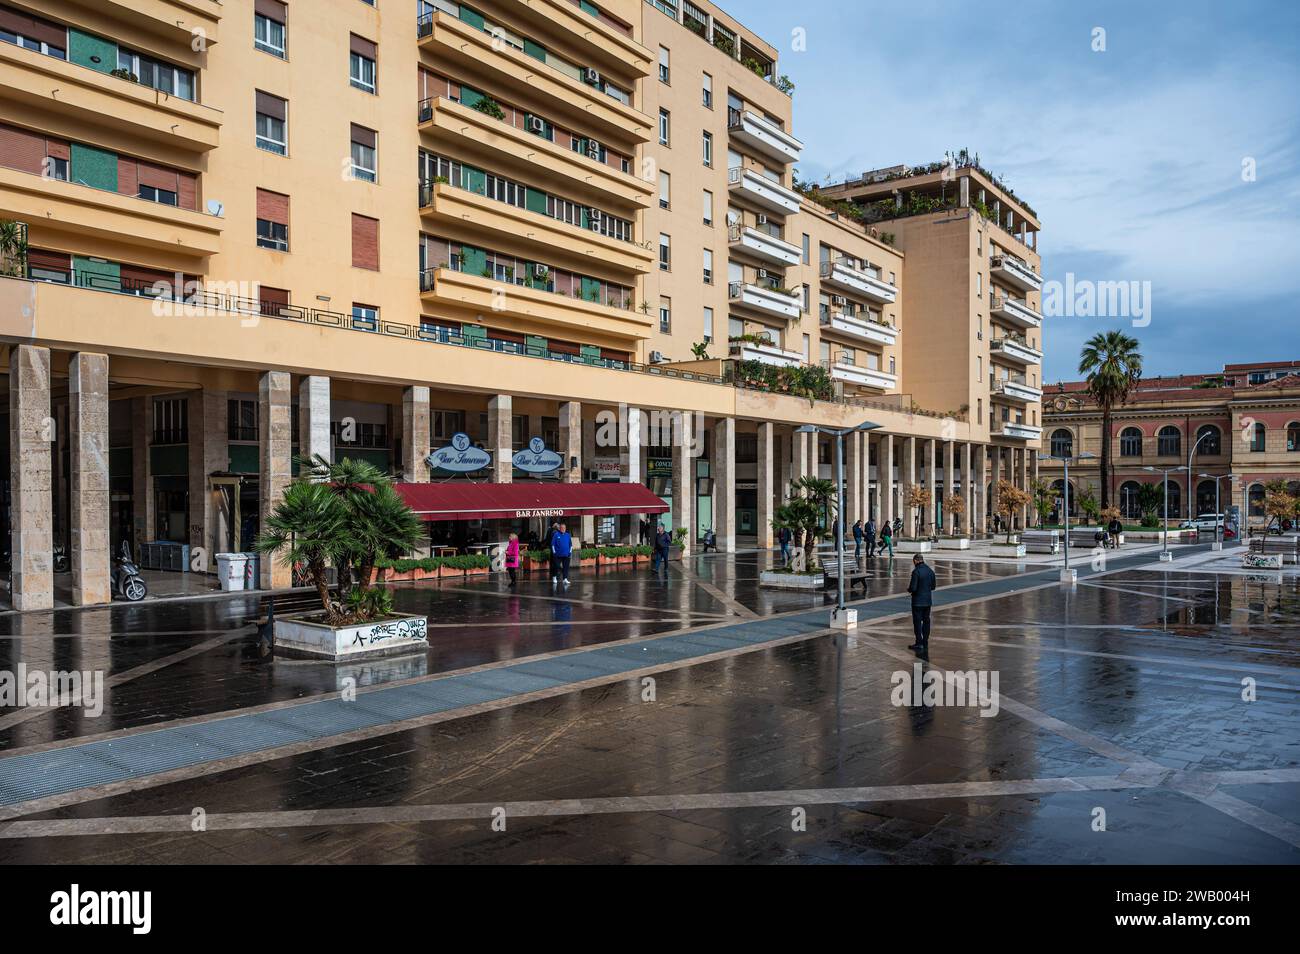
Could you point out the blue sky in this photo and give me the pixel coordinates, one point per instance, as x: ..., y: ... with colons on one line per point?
x: 1132, y: 157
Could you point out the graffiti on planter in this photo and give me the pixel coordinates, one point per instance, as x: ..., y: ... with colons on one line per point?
x: 412, y: 628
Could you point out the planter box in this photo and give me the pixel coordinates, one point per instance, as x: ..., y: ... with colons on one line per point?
x: 475, y: 571
x: 954, y: 543
x: 1261, y: 561
x: 1041, y: 541
x: 792, y: 581
x: 1013, y: 550
x: 295, y: 636
x: 913, y: 546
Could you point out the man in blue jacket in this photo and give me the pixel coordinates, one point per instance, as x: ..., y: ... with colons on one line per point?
x: 562, y: 551
x: 921, y: 586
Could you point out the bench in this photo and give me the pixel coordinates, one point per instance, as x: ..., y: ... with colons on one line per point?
x: 1287, y: 547
x: 1041, y: 541
x: 852, y: 573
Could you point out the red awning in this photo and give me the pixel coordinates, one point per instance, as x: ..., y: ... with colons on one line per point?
x: 461, y: 500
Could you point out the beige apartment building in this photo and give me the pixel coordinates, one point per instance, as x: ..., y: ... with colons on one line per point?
x: 238, y: 232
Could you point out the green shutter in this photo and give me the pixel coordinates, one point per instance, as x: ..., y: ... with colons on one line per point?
x: 472, y: 17
x: 475, y: 180
x: 588, y: 8
x: 474, y: 260
x: 590, y: 354
x: 243, y: 458
x: 473, y: 333
x: 535, y: 200
x: 590, y: 289
x: 535, y: 50
x: 535, y: 345
x: 582, y: 217
x: 469, y: 96
x: 92, y: 273
x: 94, y: 167
x: 85, y: 48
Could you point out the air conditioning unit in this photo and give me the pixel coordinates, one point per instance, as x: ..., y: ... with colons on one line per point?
x: 593, y: 149
x: 657, y: 357
x: 540, y: 271
x: 762, y: 274
x: 762, y: 220
x: 838, y: 300
x: 591, y: 77
x: 594, y: 218
x: 536, y: 125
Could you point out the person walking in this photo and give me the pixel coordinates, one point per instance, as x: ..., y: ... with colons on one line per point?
x: 710, y: 541
x: 921, y: 586
x: 898, y: 527
x: 857, y: 540
x: 783, y: 538
x: 887, y: 539
x: 561, y: 552
x: 870, y: 534
x: 550, y: 542
x: 512, y: 559
x: 1115, y: 528
x: 663, y: 545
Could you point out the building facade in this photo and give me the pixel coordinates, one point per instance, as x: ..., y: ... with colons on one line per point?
x: 244, y: 231
x: 1243, y: 425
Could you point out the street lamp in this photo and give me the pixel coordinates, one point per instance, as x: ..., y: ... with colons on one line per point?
x: 1218, y: 513
x: 1067, y: 575
x: 840, y: 617
x: 1165, y: 555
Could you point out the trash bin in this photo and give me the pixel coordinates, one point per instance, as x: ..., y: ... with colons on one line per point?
x: 251, y: 566
x: 231, y: 568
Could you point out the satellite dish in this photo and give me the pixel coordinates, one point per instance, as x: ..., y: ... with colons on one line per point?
x: 215, y: 207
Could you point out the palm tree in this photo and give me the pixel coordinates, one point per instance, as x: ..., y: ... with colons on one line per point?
x: 307, y: 527
x: 1113, y: 365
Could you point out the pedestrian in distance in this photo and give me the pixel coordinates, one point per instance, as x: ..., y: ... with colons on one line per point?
x: 562, y: 552
x: 887, y: 539
x: 663, y: 546
x: 921, y: 586
x: 710, y: 541
x: 512, y: 558
x: 783, y: 540
x: 1115, y: 528
x: 857, y: 540
x: 870, y: 533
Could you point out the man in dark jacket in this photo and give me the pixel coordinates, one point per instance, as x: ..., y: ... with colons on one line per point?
x: 871, y: 536
x: 1115, y: 528
x: 857, y: 539
x: 921, y: 586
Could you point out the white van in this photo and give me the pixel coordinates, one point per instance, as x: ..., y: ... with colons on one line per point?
x: 1204, y: 522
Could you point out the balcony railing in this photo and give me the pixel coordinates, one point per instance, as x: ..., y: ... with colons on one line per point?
x: 1016, y: 272
x: 619, y: 298
x: 763, y: 242
x: 762, y: 135
x: 846, y: 276
x: 766, y: 193
x: 1015, y: 310
x: 601, y: 222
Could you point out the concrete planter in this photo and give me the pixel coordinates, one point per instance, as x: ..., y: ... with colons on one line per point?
x: 1012, y: 550
x: 913, y: 546
x: 792, y: 581
x: 297, y: 636
x: 954, y: 543
x: 1261, y: 561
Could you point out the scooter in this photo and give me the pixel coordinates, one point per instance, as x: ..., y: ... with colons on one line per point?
x: 60, y: 559
x: 126, y: 576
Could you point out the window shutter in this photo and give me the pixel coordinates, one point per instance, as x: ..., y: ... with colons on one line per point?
x: 273, y: 207
x: 34, y: 27
x: 272, y: 106
x: 363, y: 47
x: 272, y: 10
x: 365, y: 242
x: 363, y: 136
x: 22, y: 150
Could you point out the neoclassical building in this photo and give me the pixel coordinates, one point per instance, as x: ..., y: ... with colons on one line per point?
x: 1242, y: 423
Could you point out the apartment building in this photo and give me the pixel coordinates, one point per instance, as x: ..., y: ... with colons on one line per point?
x: 239, y: 232
x: 1239, y: 428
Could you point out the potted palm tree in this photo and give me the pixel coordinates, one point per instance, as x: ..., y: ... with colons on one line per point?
x: 810, y: 499
x: 1113, y: 367
x: 346, y: 515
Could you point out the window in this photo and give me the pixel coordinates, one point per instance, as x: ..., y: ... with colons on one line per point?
x: 807, y: 248
x: 735, y: 328
x: 33, y: 33
x: 665, y: 252
x: 708, y: 266
x: 708, y: 324
x: 1062, y: 443
x: 708, y: 149
x: 56, y: 168
x: 241, y: 420
x: 272, y: 220
x: 171, y: 421
x: 272, y: 129
x: 1255, y: 503
x: 1259, y: 439
x: 665, y: 315
x: 708, y: 207
x: 156, y: 74
x: 707, y: 91
x: 979, y: 284
x: 663, y: 127
x: 1293, y: 436
x: 365, y: 316
x: 364, y: 166
x: 665, y: 190
x: 663, y: 64
x: 1130, y: 442
x: 268, y: 27
x: 1212, y: 445
x: 365, y: 242
x: 362, y: 60
x: 1169, y: 442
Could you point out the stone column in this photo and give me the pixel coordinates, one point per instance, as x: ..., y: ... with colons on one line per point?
x: 31, y: 436
x: 416, y: 439
x: 803, y: 461
x: 995, y: 474
x: 853, y: 503
x: 982, y: 486
x: 931, y: 482
x: 949, y: 484
x: 766, y: 492
x: 967, y: 488
x: 141, y: 480
x: 500, y: 442
x: 214, y: 430
x: 724, y: 483
x: 88, y: 460
x: 784, y: 456
x: 630, y: 463
x: 314, y: 418
x: 1028, y: 509
x: 588, y: 445
x: 885, y: 477
x: 683, y: 512
x: 570, y: 448
x: 274, y: 435
x: 907, y: 478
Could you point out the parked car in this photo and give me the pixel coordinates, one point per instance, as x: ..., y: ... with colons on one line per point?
x: 1203, y: 522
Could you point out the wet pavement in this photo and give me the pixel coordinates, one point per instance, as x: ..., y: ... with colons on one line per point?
x: 1122, y: 696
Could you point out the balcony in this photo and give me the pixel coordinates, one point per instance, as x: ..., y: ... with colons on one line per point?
x: 502, y: 146
x: 178, y: 21
x: 839, y: 274
x: 1017, y: 311
x: 609, y: 48
x: 91, y: 98
x: 1016, y: 350
x: 82, y: 211
x: 764, y: 300
x: 765, y: 353
x: 448, y: 288
x: 1015, y: 431
x: 1018, y: 391
x: 859, y: 329
x: 464, y: 50
x: 846, y: 373
x: 766, y: 194
x: 1015, y: 272
x: 757, y: 244
x: 549, y: 239
x: 752, y: 130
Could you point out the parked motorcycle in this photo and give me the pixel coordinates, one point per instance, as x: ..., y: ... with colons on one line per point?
x: 60, y: 559
x: 126, y: 576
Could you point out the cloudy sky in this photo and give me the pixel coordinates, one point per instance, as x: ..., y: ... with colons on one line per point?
x: 1132, y: 157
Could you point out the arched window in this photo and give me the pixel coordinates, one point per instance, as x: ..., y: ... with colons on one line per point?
x: 1130, y: 442
x: 1255, y: 499
x: 1128, y: 500
x: 1293, y: 436
x: 1205, y: 495
x: 1257, y: 442
x: 1212, y: 445
x: 1175, y: 500
x: 1062, y: 443
x: 1169, y: 442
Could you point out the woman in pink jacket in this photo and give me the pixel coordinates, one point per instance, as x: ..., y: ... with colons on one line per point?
x: 512, y: 558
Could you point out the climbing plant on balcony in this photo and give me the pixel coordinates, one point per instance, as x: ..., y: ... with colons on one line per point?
x: 13, y: 248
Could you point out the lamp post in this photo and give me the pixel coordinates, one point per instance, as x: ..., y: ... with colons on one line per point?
x: 1067, y: 574
x: 1165, y: 555
x: 1218, y: 512
x: 840, y: 616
